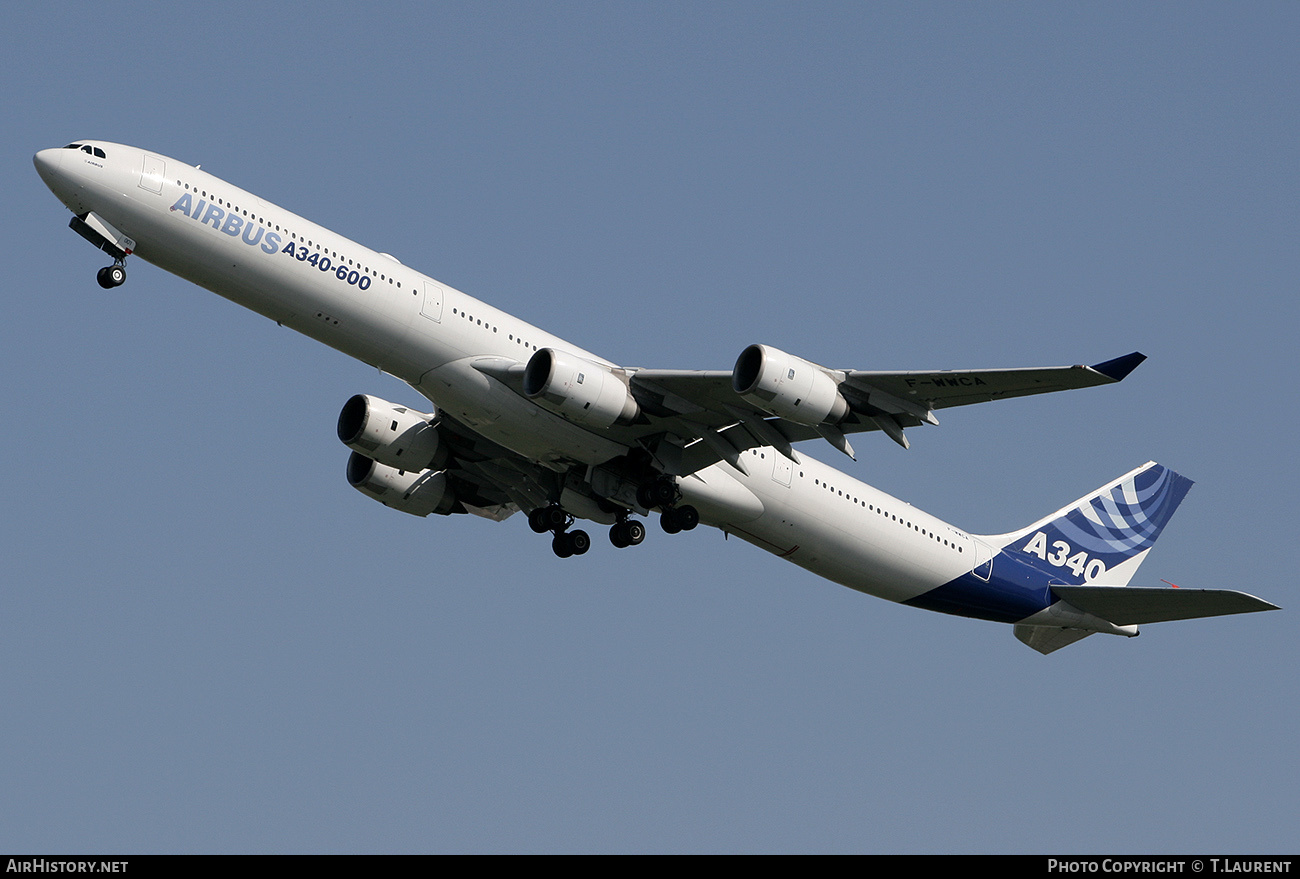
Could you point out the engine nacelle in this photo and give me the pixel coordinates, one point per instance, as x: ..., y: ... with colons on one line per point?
x: 788, y: 386
x: 418, y: 492
x: 584, y: 392
x: 390, y: 434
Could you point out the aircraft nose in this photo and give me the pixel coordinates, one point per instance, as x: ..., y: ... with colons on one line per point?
x: 47, y: 165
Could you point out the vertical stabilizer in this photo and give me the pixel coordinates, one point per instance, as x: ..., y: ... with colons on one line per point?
x: 1102, y: 538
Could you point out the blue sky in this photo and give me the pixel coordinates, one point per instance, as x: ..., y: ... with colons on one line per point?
x: 211, y: 643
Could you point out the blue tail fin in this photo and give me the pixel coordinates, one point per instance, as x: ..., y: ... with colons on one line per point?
x: 1101, y: 538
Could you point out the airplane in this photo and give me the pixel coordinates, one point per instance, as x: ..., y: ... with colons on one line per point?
x: 521, y: 420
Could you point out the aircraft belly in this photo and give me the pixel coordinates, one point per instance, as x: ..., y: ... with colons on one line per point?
x: 998, y: 599
x: 876, y: 564
x: 841, y: 535
x: 362, y: 326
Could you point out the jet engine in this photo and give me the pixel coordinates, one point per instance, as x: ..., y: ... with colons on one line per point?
x: 788, y: 386
x: 584, y: 392
x: 418, y: 492
x: 390, y: 434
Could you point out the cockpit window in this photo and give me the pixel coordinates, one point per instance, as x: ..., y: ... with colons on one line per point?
x: 87, y: 148
x: 99, y: 154
x: 73, y: 146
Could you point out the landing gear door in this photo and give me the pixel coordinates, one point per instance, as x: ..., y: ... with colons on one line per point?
x: 432, y: 306
x: 152, y: 174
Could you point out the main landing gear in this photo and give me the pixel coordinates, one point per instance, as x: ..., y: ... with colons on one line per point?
x: 662, y: 493
x: 675, y: 519
x: 565, y: 543
x: 112, y: 276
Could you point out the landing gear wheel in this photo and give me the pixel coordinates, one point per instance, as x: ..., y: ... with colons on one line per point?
x: 688, y: 517
x: 683, y: 518
x: 579, y: 542
x: 111, y: 276
x: 538, y: 521
x: 551, y: 518
x: 669, y: 521
x: 627, y: 533
x: 635, y: 533
x: 570, y: 543
x: 660, y: 493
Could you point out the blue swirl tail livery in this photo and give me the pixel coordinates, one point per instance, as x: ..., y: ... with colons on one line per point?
x: 1103, y: 537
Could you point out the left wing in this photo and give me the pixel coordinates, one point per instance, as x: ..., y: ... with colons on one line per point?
x: 775, y: 399
x: 690, y: 419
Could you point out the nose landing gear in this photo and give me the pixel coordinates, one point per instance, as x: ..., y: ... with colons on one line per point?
x: 101, y: 233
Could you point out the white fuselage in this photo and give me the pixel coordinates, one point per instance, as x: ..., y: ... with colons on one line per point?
x: 368, y: 305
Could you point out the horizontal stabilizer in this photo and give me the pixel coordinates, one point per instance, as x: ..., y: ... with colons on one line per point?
x: 1134, y: 605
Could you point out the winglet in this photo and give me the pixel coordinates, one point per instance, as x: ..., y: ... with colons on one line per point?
x: 1119, y: 368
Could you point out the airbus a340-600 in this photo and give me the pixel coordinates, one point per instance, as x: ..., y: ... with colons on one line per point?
x: 521, y: 420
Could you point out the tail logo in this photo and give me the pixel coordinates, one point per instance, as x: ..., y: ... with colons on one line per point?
x: 1079, y: 563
